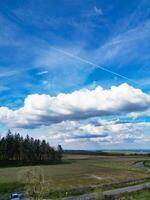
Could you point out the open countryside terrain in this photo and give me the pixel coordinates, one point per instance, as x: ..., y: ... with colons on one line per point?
x: 81, y: 171
x: 144, y: 195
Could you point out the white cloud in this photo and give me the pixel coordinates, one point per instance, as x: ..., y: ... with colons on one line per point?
x: 47, y: 84
x: 42, y: 73
x: 97, y: 134
x: 98, y: 11
x: 137, y: 114
x: 82, y: 104
x: 124, y: 47
x: 109, y: 132
x: 3, y: 88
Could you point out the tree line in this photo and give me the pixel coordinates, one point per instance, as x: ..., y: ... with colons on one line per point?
x: 14, y: 147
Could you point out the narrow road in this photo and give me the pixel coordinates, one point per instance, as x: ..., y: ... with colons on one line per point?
x: 125, y: 190
x: 111, y: 193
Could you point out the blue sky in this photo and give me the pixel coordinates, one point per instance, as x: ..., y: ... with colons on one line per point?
x: 66, y: 49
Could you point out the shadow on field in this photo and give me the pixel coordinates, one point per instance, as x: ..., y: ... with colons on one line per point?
x: 13, y: 163
x: 11, y: 187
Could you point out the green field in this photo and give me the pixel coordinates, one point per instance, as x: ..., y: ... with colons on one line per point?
x: 81, y: 171
x: 143, y: 195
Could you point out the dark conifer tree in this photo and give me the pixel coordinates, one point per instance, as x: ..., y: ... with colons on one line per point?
x: 16, y: 148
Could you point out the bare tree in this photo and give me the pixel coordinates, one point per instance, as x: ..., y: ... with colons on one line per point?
x: 35, y: 185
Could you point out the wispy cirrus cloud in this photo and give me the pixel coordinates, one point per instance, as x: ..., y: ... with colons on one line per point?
x: 42, y: 73
x: 3, y: 88
x: 98, y: 11
x: 119, y: 47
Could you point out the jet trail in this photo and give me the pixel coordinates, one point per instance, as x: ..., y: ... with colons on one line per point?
x: 93, y: 64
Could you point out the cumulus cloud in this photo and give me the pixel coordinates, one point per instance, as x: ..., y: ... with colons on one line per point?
x: 86, y: 134
x: 82, y: 104
x: 74, y: 130
x: 109, y: 132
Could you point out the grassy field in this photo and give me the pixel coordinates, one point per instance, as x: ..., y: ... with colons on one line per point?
x: 143, y: 195
x: 147, y: 163
x: 79, y: 171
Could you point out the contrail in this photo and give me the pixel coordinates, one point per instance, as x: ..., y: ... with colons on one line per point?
x: 93, y: 64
